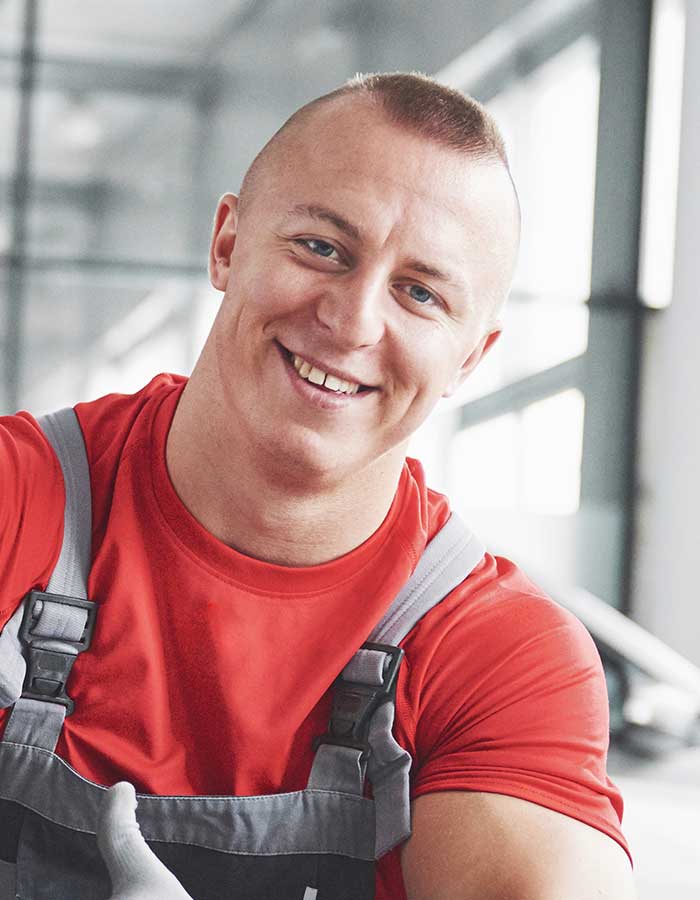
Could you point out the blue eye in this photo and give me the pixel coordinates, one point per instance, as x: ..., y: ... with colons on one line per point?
x: 420, y: 294
x: 320, y: 248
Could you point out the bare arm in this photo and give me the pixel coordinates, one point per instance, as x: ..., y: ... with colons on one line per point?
x: 479, y: 846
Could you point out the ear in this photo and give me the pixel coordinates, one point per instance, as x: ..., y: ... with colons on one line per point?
x: 223, y: 240
x: 473, y: 360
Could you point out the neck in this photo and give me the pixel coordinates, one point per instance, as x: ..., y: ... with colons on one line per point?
x: 251, y: 504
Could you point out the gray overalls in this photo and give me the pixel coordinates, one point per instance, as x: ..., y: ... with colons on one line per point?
x: 320, y: 843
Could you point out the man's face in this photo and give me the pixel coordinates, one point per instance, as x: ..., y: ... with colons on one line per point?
x: 367, y: 254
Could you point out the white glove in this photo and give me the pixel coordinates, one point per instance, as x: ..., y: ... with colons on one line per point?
x: 136, y: 872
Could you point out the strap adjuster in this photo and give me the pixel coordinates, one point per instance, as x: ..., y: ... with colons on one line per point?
x: 354, y: 704
x: 48, y: 665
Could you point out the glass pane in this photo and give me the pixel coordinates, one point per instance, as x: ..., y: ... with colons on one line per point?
x: 552, y: 441
x: 661, y: 153
x: 476, y: 455
x: 516, y: 479
x: 113, y: 174
x: 537, y: 335
x: 8, y: 131
x: 543, y: 474
x: 550, y: 120
x: 78, y: 349
x: 11, y: 27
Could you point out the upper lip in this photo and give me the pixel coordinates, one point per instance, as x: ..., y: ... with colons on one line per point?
x: 324, y: 367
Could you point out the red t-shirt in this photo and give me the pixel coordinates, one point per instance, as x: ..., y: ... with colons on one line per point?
x: 209, y: 671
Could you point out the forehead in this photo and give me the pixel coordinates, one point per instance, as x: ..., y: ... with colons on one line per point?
x: 352, y: 141
x: 393, y: 184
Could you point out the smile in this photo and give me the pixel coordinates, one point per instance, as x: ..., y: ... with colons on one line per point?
x: 336, y: 383
x: 320, y: 378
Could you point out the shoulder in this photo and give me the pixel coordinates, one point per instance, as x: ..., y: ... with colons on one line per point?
x: 31, y: 509
x: 499, y: 650
x: 121, y: 430
x: 108, y: 422
x: 23, y: 445
x: 508, y: 696
x: 32, y: 495
x: 502, y: 618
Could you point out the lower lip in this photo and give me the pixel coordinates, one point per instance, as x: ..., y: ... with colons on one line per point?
x: 318, y: 396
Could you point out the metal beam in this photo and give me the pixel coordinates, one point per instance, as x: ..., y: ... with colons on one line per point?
x: 95, y: 264
x: 520, y: 46
x: 516, y: 396
x: 111, y: 76
x: 608, y: 491
x: 56, y: 190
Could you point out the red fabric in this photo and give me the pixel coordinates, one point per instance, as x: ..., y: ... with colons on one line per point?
x: 209, y: 670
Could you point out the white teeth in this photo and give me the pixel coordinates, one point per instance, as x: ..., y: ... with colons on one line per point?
x: 316, y: 376
x: 335, y: 384
x: 319, y: 377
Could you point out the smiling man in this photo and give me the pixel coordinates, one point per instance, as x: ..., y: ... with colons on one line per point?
x: 360, y: 251
x: 262, y: 552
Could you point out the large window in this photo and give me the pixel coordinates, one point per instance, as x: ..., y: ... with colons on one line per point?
x: 513, y: 465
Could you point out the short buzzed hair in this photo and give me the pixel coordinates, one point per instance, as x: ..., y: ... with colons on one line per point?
x: 415, y: 102
x: 430, y: 109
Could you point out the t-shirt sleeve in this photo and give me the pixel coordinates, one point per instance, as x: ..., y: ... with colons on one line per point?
x: 31, y: 510
x: 513, y: 701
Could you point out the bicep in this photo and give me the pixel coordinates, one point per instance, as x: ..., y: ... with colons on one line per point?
x: 480, y: 846
x: 526, y: 716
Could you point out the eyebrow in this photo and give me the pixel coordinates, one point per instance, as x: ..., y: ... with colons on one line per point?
x: 322, y: 214
x: 432, y: 272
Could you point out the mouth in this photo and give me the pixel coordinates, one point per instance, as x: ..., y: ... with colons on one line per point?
x: 331, y: 382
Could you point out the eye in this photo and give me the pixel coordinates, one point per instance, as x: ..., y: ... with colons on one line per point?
x: 318, y: 247
x: 420, y: 294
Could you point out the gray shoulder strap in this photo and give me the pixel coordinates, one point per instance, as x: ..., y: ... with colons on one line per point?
x: 447, y: 560
x: 56, y: 628
x: 73, y: 567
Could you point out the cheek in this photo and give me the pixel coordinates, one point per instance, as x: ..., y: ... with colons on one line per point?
x: 428, y: 360
x: 274, y: 290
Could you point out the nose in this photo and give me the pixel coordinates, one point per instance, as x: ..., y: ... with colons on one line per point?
x: 353, y: 311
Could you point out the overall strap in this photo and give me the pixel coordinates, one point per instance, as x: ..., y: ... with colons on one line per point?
x: 53, y: 625
x: 447, y: 560
x: 360, y: 740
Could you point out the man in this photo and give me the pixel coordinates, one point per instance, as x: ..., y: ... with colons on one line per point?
x: 252, y: 524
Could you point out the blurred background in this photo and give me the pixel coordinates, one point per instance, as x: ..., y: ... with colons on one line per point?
x: 574, y: 449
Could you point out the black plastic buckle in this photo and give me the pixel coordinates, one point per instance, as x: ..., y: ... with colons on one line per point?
x: 48, y: 669
x: 355, y: 703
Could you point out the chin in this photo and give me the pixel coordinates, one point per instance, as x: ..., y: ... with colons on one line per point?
x: 305, y: 459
